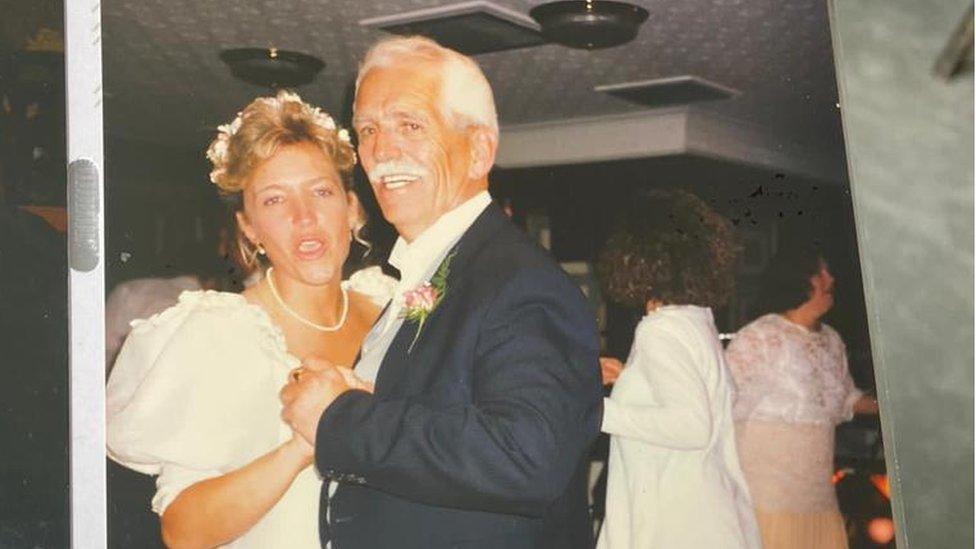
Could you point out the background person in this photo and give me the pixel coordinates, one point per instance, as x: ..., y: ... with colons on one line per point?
x: 794, y: 387
x: 673, y: 474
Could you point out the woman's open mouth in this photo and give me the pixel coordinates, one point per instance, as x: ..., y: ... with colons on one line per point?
x: 310, y: 248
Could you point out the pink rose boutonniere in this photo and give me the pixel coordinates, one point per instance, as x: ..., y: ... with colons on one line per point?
x: 420, y: 302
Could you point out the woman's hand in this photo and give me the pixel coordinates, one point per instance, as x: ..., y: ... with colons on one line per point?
x: 316, y: 364
x: 300, y: 448
x: 310, y: 391
x: 610, y: 368
x: 352, y: 380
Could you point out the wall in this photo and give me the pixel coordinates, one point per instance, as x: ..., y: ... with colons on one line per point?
x: 910, y: 148
x: 162, y: 211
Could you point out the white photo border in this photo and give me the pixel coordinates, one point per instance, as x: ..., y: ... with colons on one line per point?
x: 86, y: 289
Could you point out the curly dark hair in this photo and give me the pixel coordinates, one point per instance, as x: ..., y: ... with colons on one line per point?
x: 672, y: 247
x: 786, y: 281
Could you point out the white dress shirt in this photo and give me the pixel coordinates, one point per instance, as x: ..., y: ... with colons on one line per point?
x: 417, y: 262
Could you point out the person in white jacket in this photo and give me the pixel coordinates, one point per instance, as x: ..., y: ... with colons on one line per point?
x: 674, y: 479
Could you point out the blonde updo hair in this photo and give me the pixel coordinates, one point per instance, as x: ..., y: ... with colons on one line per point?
x: 254, y: 136
x: 266, y: 124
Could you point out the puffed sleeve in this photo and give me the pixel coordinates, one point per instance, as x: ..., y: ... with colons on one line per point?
x: 372, y: 283
x: 116, y: 322
x: 189, y: 396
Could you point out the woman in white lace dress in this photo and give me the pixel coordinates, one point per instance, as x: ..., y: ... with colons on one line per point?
x: 674, y: 478
x: 793, y: 389
x: 193, y: 396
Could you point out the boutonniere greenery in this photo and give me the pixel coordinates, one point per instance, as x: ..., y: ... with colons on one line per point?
x: 420, y: 302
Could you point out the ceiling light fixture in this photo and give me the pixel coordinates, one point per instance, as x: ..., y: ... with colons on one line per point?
x: 271, y: 67
x: 589, y: 24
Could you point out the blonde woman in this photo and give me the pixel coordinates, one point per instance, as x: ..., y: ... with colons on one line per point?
x: 193, y: 396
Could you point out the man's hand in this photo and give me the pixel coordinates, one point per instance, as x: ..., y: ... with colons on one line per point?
x: 610, y: 368
x: 306, y: 396
x: 353, y: 381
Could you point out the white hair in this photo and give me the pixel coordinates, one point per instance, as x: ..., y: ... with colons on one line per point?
x: 465, y: 96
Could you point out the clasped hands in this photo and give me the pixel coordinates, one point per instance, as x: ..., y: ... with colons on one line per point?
x: 311, y: 389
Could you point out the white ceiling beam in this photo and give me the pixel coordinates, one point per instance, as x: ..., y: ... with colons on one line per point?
x: 663, y: 132
x: 583, y: 140
x: 716, y: 136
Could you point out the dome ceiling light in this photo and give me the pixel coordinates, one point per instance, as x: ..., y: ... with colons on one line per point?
x: 271, y: 67
x: 589, y: 24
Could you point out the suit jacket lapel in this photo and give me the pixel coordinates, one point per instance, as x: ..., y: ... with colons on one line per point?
x: 396, y: 361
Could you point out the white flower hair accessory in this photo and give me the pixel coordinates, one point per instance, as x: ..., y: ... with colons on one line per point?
x: 217, y: 152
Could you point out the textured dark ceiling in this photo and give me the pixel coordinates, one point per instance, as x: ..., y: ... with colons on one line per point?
x: 164, y: 81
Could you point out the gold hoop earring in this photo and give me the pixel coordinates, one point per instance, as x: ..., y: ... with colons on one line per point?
x: 356, y: 234
x: 249, y: 252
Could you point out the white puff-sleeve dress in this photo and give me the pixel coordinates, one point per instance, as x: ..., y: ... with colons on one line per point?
x: 194, y: 395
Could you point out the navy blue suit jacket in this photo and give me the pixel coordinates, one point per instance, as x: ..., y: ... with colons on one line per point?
x: 478, y: 436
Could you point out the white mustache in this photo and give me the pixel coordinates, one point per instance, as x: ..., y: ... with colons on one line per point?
x: 394, y: 167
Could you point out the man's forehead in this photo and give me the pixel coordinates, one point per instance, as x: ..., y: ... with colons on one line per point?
x: 397, y: 88
x: 396, y: 110
x: 412, y: 69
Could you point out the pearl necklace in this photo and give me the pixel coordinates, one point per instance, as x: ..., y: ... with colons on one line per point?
x: 337, y: 326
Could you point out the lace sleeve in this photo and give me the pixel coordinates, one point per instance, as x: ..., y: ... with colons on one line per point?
x: 750, y: 360
x: 852, y: 393
x: 746, y: 355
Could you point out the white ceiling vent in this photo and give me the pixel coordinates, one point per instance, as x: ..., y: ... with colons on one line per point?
x: 468, y: 27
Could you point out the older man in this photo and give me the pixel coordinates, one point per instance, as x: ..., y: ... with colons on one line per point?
x: 487, y: 385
